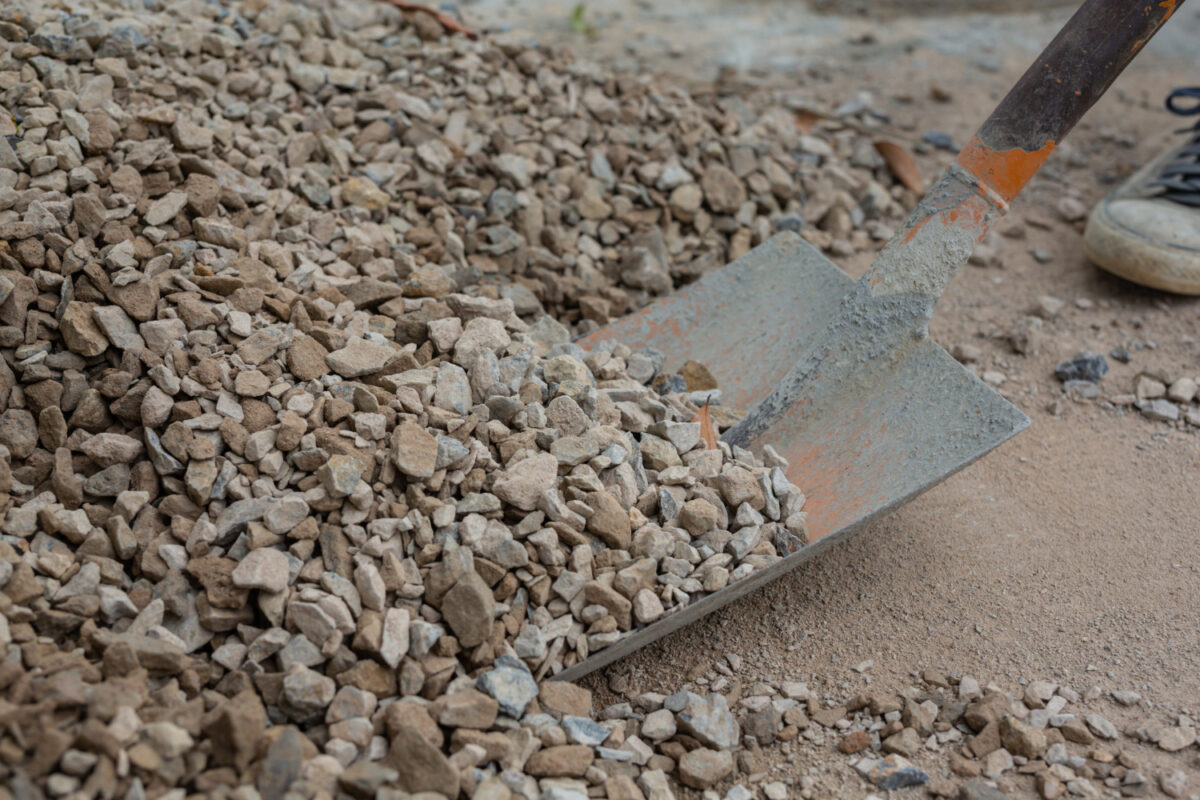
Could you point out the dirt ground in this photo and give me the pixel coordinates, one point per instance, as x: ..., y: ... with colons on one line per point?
x: 1070, y: 553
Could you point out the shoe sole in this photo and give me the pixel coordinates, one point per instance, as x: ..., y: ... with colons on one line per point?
x: 1128, y: 254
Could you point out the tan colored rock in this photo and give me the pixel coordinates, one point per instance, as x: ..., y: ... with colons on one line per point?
x: 306, y: 358
x: 359, y: 357
x: 413, y: 715
x: 701, y: 768
x: 621, y: 608
x: 905, y: 743
x: 609, y: 520
x: 467, y: 709
x: 723, y: 190
x: 647, y: 606
x: 165, y: 208
x: 236, y: 727
x: 521, y: 484
x: 263, y: 568
x: 1021, y: 739
x: 421, y: 766
x: 1177, y: 738
x: 563, y: 761
x: 414, y: 450
x: 565, y: 698
x: 364, y: 193
x: 80, y: 332
x: 698, y: 516
x: 469, y: 609
x: 738, y: 485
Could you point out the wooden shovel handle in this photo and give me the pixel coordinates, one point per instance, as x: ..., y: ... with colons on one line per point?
x: 1070, y: 75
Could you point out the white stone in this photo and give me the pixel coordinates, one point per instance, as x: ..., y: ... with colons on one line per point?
x: 395, y: 636
x: 264, y: 568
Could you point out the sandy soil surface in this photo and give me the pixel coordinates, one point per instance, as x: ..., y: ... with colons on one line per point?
x: 1068, y: 554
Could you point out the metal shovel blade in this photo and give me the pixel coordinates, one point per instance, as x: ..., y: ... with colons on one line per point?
x: 881, y: 431
x: 840, y: 376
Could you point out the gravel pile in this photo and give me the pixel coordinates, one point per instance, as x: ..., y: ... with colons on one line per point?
x: 333, y: 145
x: 301, y: 490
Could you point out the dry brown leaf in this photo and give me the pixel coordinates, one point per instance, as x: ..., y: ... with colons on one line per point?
x: 806, y: 120
x: 708, y: 431
x: 446, y: 21
x: 901, y: 163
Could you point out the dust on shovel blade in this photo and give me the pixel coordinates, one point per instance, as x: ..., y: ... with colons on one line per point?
x: 868, y: 439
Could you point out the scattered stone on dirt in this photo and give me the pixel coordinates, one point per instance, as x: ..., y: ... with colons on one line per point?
x: 1159, y: 397
x: 1085, y: 367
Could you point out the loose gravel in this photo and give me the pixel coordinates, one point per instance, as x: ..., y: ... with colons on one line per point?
x: 306, y: 490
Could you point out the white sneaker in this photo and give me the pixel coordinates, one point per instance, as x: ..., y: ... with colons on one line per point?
x: 1148, y: 230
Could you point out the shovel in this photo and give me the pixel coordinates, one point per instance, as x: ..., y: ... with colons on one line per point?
x: 840, y: 376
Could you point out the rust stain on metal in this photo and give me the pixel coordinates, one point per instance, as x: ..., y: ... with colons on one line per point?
x: 1003, y: 171
x: 829, y: 466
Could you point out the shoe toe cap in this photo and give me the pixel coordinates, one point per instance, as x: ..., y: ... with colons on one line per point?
x: 1161, y: 223
x: 1150, y: 241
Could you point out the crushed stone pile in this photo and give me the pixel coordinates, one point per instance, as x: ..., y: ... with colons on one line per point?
x: 334, y: 146
x: 302, y: 491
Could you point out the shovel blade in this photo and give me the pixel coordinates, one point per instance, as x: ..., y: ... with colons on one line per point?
x: 873, y: 439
